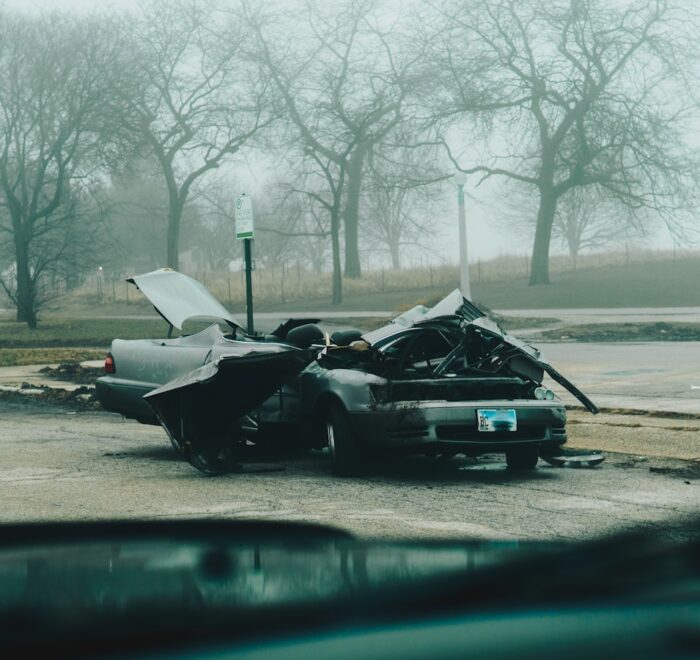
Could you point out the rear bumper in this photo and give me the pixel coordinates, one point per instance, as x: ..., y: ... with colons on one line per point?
x: 126, y: 398
x: 452, y: 426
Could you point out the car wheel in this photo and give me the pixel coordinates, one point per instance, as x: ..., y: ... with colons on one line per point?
x: 522, y: 458
x: 346, y: 460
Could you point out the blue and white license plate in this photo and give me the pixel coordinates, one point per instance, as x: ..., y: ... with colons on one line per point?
x: 501, y: 419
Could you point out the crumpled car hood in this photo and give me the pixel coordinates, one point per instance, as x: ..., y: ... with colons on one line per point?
x: 533, y: 354
x: 177, y: 298
x: 456, y: 306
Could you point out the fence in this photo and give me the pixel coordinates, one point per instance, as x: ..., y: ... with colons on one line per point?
x: 291, y: 282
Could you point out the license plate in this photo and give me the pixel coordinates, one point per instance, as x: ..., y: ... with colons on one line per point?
x: 502, y: 419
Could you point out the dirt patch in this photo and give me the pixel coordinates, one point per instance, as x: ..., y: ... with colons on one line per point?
x: 606, y: 332
x: 689, y: 471
x: 73, y: 372
x: 81, y: 398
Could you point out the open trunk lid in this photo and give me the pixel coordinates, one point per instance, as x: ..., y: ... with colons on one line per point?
x: 177, y: 298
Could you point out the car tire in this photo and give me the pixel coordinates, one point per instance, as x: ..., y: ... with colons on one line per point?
x: 522, y: 458
x: 346, y: 458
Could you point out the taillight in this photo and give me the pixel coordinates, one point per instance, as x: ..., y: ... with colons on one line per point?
x: 109, y: 365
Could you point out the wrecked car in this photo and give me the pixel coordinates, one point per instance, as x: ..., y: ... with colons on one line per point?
x: 441, y: 381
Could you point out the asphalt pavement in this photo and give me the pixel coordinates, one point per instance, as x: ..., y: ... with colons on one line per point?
x: 61, y: 465
x: 653, y: 376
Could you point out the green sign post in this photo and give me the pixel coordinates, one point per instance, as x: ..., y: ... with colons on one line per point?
x: 245, y: 232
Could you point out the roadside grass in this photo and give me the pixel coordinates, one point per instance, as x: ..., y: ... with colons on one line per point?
x: 650, y: 279
x: 654, y: 284
x: 65, y: 333
x: 13, y: 357
x: 499, y: 282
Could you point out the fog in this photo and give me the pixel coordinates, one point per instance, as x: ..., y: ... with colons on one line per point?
x: 136, y: 124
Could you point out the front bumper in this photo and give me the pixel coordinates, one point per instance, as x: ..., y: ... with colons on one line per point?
x: 452, y: 426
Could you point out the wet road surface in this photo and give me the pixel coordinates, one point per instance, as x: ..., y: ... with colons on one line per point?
x: 61, y: 466
x: 639, y: 375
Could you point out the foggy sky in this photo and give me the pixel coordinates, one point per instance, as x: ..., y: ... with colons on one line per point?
x: 488, y: 233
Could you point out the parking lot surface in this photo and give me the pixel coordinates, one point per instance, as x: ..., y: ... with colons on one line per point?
x: 64, y: 465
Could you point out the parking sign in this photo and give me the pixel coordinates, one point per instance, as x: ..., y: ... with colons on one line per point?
x: 244, y: 217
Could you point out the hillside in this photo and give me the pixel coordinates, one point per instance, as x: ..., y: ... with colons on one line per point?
x: 672, y: 283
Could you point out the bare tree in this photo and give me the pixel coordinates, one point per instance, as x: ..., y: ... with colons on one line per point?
x: 292, y: 224
x: 312, y: 248
x: 402, y: 197
x: 55, y: 73
x: 586, y: 93
x: 276, y: 221
x: 196, y: 98
x: 322, y: 181
x: 135, y: 200
x: 215, y: 234
x: 583, y: 220
x: 344, y: 84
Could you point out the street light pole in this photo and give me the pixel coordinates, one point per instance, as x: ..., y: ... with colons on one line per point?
x: 460, y: 180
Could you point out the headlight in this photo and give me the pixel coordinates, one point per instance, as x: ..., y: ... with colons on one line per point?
x: 544, y: 393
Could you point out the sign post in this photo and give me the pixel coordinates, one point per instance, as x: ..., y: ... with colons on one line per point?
x: 464, y: 283
x: 245, y: 232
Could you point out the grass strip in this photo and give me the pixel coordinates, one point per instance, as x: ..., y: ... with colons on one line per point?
x: 14, y: 357
x: 607, y: 332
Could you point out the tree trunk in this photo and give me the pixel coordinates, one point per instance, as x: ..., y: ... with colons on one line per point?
x: 395, y: 255
x: 337, y: 287
x: 539, y: 272
x: 173, y: 239
x: 26, y: 311
x: 352, y: 207
x: 573, y: 253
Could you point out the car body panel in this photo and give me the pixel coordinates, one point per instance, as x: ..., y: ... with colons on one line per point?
x: 415, y: 383
x: 203, y: 407
x: 125, y: 396
x: 452, y: 425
